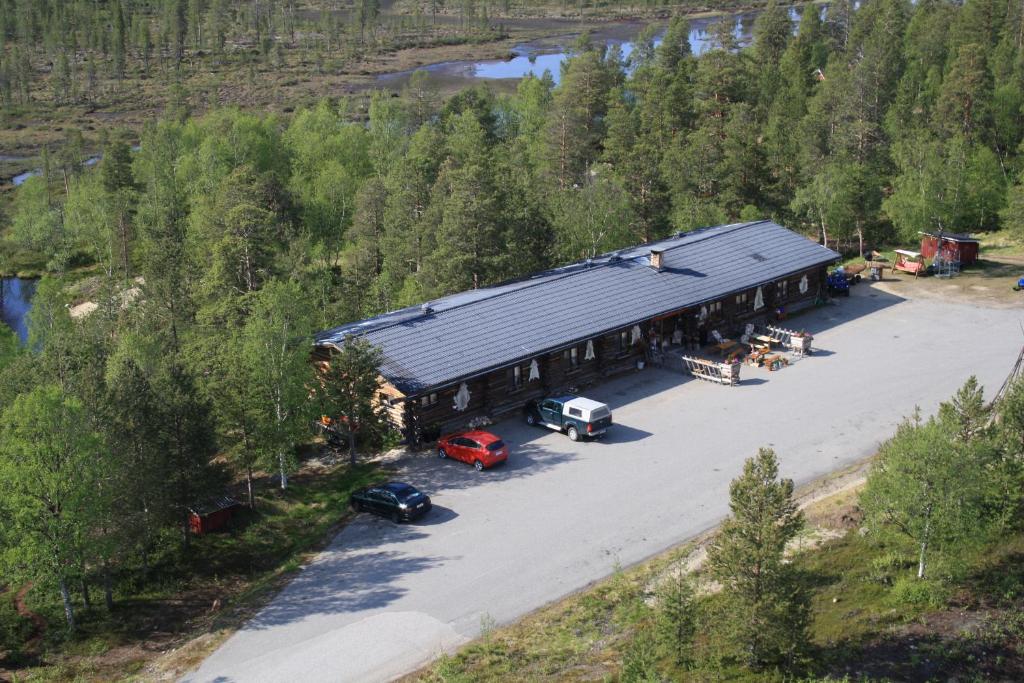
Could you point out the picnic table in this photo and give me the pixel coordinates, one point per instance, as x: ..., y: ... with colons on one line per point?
x: 725, y: 346
x: 766, y: 339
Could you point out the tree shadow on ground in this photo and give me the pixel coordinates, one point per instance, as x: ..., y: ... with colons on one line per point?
x: 979, y: 637
x: 358, y: 576
x: 921, y: 657
x: 427, y: 472
x: 999, y: 583
x: 987, y: 268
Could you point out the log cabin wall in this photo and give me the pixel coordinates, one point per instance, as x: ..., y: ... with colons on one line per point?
x: 388, y: 396
x: 393, y: 402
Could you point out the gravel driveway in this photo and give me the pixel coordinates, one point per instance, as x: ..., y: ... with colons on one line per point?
x: 384, y: 599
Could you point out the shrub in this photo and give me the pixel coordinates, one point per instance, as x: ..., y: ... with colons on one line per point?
x: 911, y: 592
x: 639, y: 661
x: 884, y: 568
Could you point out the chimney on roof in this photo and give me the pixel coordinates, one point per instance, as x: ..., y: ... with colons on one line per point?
x: 656, y: 259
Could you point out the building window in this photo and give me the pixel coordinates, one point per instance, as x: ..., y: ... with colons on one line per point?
x: 781, y: 290
x: 715, y: 308
x: 428, y: 400
x: 515, y: 378
x: 624, y: 341
x: 741, y: 301
x: 571, y: 358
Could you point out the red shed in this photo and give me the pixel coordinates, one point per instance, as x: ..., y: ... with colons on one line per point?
x: 955, y: 247
x: 212, y: 515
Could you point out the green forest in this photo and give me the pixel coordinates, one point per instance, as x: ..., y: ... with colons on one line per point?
x: 216, y: 248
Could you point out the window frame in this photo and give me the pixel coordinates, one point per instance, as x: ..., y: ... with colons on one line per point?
x: 571, y: 359
x: 623, y: 342
x: 515, y: 378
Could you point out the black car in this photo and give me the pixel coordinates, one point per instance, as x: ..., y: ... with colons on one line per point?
x: 394, y: 499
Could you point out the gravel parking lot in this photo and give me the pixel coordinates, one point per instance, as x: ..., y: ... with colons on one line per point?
x: 384, y: 599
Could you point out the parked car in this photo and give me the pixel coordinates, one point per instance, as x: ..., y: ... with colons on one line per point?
x: 837, y: 282
x: 574, y: 415
x: 395, y: 499
x: 478, y: 448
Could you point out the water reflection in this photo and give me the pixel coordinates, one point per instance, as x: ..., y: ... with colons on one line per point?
x: 530, y: 59
x: 91, y: 161
x: 15, y: 303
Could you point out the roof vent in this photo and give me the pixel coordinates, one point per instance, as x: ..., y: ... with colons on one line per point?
x: 656, y: 259
x: 426, y: 309
x: 614, y: 258
x: 588, y: 263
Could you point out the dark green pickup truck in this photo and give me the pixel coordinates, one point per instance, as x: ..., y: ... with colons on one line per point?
x: 575, y: 416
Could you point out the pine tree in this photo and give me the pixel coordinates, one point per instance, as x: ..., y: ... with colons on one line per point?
x: 965, y: 103
x: 676, y: 616
x: 767, y: 611
x: 349, y: 394
x: 120, y: 41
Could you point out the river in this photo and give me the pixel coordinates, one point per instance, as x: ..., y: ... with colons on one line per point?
x: 536, y: 57
x: 15, y: 302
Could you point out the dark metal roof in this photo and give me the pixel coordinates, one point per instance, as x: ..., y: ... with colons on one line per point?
x: 473, y: 332
x: 952, y: 236
x: 213, y: 505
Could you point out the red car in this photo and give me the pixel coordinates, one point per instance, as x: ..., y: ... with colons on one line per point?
x: 480, y: 449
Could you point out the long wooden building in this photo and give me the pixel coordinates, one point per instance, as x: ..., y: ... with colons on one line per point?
x: 486, y: 352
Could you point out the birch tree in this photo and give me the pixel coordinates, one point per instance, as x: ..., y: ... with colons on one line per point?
x: 928, y: 486
x: 276, y: 344
x: 49, y: 469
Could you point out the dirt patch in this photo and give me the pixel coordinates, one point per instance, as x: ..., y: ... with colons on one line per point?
x: 38, y: 623
x: 989, y: 283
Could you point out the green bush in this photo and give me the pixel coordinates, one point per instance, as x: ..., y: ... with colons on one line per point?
x: 913, y: 592
x: 884, y: 568
x: 640, y: 660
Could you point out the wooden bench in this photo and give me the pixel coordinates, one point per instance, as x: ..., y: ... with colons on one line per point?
x: 725, y: 346
x: 774, y: 362
x: 757, y: 356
